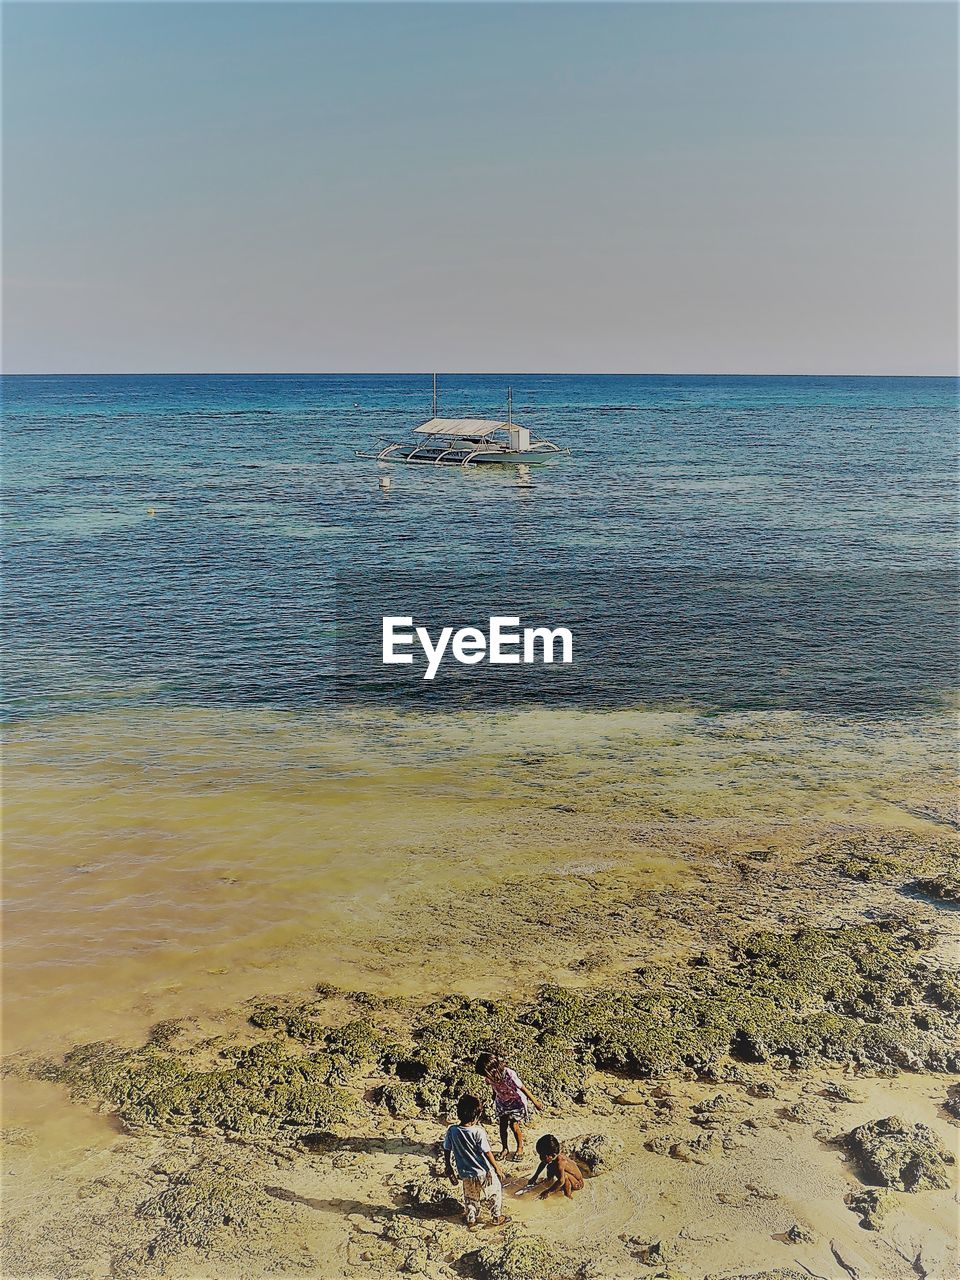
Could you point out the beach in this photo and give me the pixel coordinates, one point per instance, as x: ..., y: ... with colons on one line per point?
x: 663, y: 841
x: 466, y: 818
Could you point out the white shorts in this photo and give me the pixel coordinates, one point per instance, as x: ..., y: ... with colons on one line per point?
x: 476, y: 1194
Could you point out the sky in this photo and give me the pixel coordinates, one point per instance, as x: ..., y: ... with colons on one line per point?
x: 674, y: 187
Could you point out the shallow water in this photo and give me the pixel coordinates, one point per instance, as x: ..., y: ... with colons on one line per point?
x: 162, y: 863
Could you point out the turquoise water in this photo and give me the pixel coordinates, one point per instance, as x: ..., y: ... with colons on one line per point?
x: 838, y: 493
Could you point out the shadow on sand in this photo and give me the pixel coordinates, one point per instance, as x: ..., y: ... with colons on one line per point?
x: 323, y: 1143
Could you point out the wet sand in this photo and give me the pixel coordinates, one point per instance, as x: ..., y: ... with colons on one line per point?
x: 179, y: 864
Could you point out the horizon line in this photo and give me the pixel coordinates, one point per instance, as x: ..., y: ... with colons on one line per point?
x: 397, y: 373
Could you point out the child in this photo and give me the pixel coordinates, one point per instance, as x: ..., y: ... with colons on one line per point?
x: 563, y: 1174
x: 466, y: 1145
x: 510, y: 1097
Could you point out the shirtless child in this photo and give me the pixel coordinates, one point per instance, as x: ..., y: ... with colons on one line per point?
x: 563, y: 1174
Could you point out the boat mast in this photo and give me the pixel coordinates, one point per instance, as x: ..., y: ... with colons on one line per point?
x: 434, y: 395
x: 510, y: 405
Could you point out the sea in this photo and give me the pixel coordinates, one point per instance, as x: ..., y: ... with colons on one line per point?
x: 724, y: 541
x: 213, y: 788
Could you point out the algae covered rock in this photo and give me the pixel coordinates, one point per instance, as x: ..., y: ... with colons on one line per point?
x: 449, y: 1034
x: 858, y: 995
x: 718, y: 1110
x: 428, y: 1189
x: 651, y: 1253
x: 891, y: 856
x: 515, y: 1255
x: 837, y: 1091
x: 847, y: 995
x: 943, y: 990
x: 906, y: 1157
x: 944, y: 888
x: 260, y: 1091
x: 630, y: 1098
x: 358, y: 1042
x: 871, y: 1206
x: 800, y: 1233
x: 597, y: 1152
x: 195, y: 1207
x: 305, y: 1029
x: 404, y: 1245
x: 163, y: 1034
x: 400, y: 1099
x: 776, y: 1273
x: 267, y: 1017
x: 762, y: 1089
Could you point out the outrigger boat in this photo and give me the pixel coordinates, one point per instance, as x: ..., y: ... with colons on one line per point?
x: 462, y: 442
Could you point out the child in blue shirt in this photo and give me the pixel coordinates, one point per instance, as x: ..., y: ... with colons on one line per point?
x: 468, y: 1159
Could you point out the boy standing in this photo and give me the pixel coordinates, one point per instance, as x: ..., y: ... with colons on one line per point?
x: 466, y: 1146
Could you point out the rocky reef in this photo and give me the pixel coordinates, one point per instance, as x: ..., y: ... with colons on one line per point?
x: 318, y: 1076
x: 865, y: 995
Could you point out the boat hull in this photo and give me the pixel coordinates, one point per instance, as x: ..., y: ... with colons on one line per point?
x: 420, y: 457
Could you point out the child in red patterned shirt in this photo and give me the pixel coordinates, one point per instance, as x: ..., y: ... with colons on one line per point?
x: 510, y: 1099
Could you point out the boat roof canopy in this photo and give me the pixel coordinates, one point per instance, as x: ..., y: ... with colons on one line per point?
x: 462, y: 428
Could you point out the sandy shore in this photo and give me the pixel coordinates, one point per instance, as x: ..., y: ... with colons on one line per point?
x: 728, y: 1135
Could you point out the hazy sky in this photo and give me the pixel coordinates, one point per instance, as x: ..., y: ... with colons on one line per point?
x: 578, y: 187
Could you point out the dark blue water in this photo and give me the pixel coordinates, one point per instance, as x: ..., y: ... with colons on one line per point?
x: 735, y: 541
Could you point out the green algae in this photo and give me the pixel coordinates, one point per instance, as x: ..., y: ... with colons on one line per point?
x: 259, y: 1090
x: 862, y: 994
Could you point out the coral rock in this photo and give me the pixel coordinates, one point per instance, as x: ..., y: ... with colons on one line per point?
x: 597, y: 1152
x: 907, y: 1157
x: 516, y: 1255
